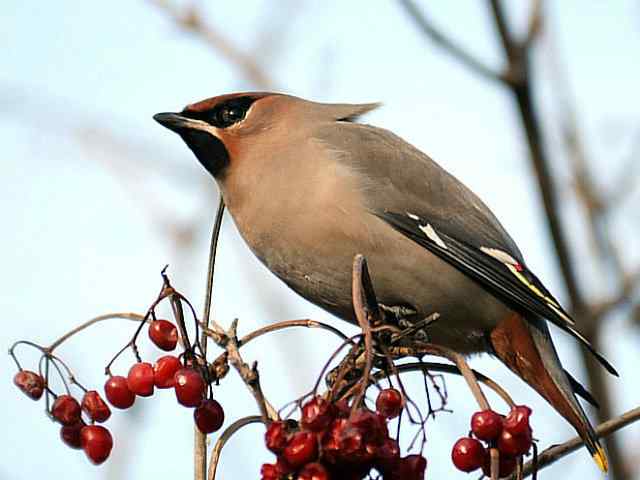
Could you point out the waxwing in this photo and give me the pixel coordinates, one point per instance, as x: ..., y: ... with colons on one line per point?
x: 309, y: 188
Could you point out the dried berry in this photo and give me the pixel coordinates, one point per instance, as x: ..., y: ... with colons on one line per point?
x: 95, y: 406
x: 70, y: 434
x: 31, y: 384
x: 66, y: 410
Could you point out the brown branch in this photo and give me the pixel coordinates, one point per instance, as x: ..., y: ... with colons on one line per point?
x: 555, y: 453
x: 361, y: 302
x: 249, y: 374
x: 448, y: 45
x: 190, y: 19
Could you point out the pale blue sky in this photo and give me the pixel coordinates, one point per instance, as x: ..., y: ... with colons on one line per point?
x: 91, y: 183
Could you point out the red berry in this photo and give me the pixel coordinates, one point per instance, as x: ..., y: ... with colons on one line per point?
x: 189, y: 387
x: 140, y: 379
x: 468, y: 454
x: 70, y: 434
x: 66, y: 410
x: 373, y: 426
x: 96, y: 443
x: 351, y: 444
x: 389, y: 403
x: 302, y: 448
x: 514, y: 445
x: 31, y: 384
x: 164, y: 334
x: 276, y: 436
x: 313, y: 471
x: 388, y: 455
x: 209, y: 416
x: 412, y: 467
x: 342, y: 408
x: 331, y: 439
x: 269, y: 471
x: 164, y: 370
x: 506, y: 466
x: 275, y: 471
x: 317, y: 414
x: 486, y: 425
x: 96, y: 408
x: 517, y: 422
x: 117, y: 392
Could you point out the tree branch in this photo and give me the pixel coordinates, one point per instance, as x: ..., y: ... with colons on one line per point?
x: 555, y: 453
x: 448, y: 45
x: 191, y: 20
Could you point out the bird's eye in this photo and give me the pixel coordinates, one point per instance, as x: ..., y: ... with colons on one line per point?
x: 230, y: 112
x: 228, y: 115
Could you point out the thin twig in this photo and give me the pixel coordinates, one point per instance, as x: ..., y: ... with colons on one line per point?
x: 190, y: 19
x: 447, y: 44
x: 224, y: 438
x: 249, y: 374
x: 126, y: 316
x: 200, y: 439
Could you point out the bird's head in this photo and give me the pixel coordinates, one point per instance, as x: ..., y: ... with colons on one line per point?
x: 223, y: 130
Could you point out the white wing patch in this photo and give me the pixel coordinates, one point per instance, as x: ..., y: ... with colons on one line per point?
x: 499, y: 255
x: 432, y: 235
x: 428, y: 230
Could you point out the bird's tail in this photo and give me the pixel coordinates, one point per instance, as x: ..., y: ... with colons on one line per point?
x: 525, y: 346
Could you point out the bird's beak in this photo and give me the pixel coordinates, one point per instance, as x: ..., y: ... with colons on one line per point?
x: 173, y: 121
x: 200, y: 137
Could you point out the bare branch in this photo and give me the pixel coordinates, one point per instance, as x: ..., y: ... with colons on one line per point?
x: 191, y: 20
x: 448, y: 45
x: 535, y: 24
x: 555, y: 453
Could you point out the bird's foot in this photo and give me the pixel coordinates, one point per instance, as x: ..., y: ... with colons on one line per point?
x: 397, y: 312
x: 416, y: 331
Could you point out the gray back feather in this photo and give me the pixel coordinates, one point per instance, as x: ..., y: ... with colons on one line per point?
x: 398, y: 177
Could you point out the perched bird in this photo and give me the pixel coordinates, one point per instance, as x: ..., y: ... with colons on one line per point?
x: 308, y: 188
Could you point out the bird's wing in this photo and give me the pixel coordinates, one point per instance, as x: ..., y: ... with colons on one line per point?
x: 418, y: 198
x: 494, y: 269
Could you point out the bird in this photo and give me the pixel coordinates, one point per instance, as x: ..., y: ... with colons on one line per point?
x: 309, y: 186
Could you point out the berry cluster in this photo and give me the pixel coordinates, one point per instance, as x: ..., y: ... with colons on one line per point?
x: 95, y: 440
x: 511, y: 435
x: 336, y: 441
x: 188, y: 375
x: 188, y: 381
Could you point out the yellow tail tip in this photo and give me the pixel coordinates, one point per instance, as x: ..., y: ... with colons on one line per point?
x: 601, y: 459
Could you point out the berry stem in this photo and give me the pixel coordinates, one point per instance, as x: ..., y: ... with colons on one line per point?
x: 126, y: 315
x: 224, y: 437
